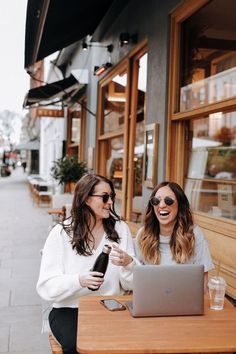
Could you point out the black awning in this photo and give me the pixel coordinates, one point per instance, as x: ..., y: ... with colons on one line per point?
x: 54, y: 24
x: 55, y: 89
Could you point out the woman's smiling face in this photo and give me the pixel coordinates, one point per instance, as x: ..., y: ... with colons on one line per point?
x: 96, y: 203
x: 166, y: 214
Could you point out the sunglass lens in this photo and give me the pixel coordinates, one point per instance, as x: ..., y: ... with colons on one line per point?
x: 106, y: 197
x: 155, y: 201
x: 168, y: 201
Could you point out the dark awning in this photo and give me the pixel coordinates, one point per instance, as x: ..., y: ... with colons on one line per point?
x: 54, y: 24
x: 55, y: 89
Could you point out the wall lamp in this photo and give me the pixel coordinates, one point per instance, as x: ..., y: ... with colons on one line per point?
x: 84, y: 45
x: 126, y: 38
x: 99, y: 70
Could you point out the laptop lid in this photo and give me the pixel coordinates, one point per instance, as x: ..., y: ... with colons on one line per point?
x: 167, y: 290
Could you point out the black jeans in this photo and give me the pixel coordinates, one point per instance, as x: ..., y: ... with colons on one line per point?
x: 63, y: 324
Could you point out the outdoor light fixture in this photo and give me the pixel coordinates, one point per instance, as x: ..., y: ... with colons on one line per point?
x: 126, y: 38
x: 99, y: 70
x: 84, y: 45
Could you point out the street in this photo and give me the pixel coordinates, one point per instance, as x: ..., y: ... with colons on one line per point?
x: 23, y: 230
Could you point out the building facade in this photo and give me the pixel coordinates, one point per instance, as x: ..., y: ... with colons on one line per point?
x: 159, y: 104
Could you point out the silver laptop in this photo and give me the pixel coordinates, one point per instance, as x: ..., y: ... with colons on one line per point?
x: 171, y: 290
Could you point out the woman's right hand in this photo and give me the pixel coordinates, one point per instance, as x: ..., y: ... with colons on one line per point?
x: 90, y: 279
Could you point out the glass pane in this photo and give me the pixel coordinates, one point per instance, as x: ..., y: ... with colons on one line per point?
x: 139, y: 138
x: 75, y: 130
x: 114, y: 103
x: 211, y: 177
x: 114, y: 166
x: 115, y: 161
x: 208, y: 72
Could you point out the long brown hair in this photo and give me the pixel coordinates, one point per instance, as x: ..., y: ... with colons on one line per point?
x: 182, y: 239
x: 78, y: 228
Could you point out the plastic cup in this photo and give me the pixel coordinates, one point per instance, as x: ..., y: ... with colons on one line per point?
x: 216, y: 289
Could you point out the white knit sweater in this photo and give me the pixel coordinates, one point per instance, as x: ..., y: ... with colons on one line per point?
x: 60, y: 268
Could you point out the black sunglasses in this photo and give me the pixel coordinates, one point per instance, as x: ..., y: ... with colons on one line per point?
x: 156, y: 201
x: 105, y: 197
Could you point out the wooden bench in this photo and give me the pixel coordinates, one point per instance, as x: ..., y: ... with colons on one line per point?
x: 43, y: 198
x: 55, y: 346
x: 41, y: 191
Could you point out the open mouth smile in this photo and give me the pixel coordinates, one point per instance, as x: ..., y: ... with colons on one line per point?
x: 164, y: 213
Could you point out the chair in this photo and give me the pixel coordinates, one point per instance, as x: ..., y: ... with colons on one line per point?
x: 55, y: 346
x: 61, y: 206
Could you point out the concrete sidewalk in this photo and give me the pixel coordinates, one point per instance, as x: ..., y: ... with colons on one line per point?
x: 23, y: 230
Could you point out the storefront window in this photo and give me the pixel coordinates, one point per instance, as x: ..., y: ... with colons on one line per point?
x: 201, y: 152
x: 139, y: 138
x: 211, y: 176
x: 208, y: 61
x: 120, y: 132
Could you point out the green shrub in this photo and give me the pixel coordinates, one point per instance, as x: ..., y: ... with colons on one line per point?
x: 68, y: 169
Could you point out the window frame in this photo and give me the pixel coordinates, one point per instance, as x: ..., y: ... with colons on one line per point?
x: 128, y: 64
x: 177, y: 128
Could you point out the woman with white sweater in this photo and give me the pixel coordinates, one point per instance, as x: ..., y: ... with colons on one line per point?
x: 71, y: 250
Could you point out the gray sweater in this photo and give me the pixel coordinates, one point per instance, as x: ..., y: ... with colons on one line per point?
x: 201, y: 251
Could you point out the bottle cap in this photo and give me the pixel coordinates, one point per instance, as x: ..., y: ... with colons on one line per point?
x: 106, y: 249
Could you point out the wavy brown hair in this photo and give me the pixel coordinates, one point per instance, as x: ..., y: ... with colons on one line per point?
x: 182, y: 239
x: 78, y: 229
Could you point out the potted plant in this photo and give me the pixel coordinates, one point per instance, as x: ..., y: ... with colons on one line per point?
x: 67, y: 171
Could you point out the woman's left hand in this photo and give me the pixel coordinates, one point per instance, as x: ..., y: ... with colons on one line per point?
x: 119, y: 257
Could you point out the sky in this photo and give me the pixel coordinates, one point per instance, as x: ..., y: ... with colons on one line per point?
x: 14, y: 81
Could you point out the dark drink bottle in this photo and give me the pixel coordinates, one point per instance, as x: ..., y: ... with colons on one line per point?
x: 101, y: 262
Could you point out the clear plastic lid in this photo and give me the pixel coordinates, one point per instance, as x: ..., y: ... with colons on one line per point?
x: 216, y: 281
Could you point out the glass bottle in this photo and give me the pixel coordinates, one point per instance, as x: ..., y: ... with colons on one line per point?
x: 101, y: 262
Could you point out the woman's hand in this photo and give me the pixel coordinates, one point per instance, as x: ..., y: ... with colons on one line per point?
x: 91, y: 279
x: 119, y: 257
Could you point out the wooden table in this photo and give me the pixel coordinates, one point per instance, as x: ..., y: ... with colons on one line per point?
x: 102, y: 331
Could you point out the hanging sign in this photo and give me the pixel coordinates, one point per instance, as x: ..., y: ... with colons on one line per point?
x: 54, y: 113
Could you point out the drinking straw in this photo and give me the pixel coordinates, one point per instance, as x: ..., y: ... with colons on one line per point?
x: 218, y: 268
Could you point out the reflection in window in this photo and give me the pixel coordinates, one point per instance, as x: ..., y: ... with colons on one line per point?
x: 139, y: 138
x: 75, y: 130
x: 115, y: 161
x: 140, y: 117
x: 208, y: 62
x: 114, y: 167
x: 114, y: 103
x: 211, y: 177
